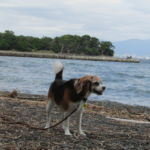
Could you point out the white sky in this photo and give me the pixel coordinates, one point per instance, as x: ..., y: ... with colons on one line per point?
x: 113, y: 20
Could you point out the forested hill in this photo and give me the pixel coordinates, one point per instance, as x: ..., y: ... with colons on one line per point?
x: 72, y: 44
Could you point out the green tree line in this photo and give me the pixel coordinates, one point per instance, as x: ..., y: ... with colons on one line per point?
x: 72, y: 44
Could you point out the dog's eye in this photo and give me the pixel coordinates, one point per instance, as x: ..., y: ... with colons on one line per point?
x: 96, y: 83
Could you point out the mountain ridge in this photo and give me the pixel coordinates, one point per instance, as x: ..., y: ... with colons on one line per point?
x: 132, y: 47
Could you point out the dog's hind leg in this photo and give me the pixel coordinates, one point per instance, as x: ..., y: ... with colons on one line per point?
x: 49, y: 107
x: 65, y: 124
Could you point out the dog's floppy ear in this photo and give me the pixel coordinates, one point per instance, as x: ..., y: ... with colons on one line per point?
x: 81, y: 85
x: 87, y: 85
x: 78, y: 85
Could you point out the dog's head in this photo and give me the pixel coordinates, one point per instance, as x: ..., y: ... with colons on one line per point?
x: 89, y: 84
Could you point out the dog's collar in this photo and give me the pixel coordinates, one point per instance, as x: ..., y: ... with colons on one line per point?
x: 85, y: 105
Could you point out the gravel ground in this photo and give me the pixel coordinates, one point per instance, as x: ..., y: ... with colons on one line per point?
x: 102, y: 133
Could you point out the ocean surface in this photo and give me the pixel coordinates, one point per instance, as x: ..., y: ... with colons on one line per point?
x: 127, y: 83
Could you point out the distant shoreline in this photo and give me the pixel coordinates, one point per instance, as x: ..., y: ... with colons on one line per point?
x: 66, y: 56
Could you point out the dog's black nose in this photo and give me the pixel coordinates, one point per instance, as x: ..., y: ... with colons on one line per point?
x: 103, y: 88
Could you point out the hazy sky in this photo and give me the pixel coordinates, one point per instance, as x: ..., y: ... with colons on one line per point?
x: 113, y: 20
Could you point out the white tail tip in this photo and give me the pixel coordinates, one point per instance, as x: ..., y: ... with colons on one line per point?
x: 58, y: 66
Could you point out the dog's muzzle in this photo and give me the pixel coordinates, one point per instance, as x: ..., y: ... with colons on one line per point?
x: 99, y: 90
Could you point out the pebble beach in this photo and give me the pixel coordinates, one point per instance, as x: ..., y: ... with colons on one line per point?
x: 103, y: 130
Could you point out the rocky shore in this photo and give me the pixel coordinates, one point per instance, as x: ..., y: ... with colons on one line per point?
x: 66, y: 56
x: 103, y: 130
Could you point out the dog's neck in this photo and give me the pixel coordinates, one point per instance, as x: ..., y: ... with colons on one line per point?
x: 83, y: 95
x: 85, y: 99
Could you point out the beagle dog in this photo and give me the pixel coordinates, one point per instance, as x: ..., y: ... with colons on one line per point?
x: 68, y: 95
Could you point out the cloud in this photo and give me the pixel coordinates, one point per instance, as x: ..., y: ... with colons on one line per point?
x: 106, y: 19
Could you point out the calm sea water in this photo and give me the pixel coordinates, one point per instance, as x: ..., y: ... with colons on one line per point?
x: 125, y: 82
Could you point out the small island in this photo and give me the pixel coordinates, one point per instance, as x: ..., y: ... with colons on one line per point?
x: 64, y: 47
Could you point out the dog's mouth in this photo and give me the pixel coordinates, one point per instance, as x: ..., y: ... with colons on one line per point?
x: 99, y: 91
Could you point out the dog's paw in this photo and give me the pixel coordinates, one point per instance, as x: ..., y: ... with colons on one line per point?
x: 67, y: 132
x: 82, y: 133
x: 47, y: 126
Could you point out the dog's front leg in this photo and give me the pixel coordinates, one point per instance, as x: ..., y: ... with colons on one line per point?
x: 66, y: 125
x: 79, y: 119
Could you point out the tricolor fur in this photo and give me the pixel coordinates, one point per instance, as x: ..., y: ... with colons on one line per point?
x: 68, y: 95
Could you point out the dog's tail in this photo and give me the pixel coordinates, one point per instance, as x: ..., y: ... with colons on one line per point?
x: 58, y: 69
